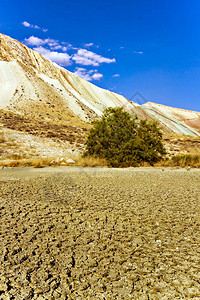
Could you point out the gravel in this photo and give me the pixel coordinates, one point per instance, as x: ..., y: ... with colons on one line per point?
x: 83, y: 233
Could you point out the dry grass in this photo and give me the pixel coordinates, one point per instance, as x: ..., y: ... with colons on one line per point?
x: 177, y: 136
x: 36, y: 163
x: 62, y: 161
x: 15, y: 157
x: 90, y: 161
x: 184, y: 160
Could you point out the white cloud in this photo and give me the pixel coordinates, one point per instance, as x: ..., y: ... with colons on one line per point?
x: 66, y: 44
x: 89, y: 45
x: 86, y: 58
x: 97, y: 76
x: 65, y: 48
x: 35, y: 41
x: 82, y: 73
x: 84, y: 61
x: 116, y: 75
x: 27, y: 24
x: 62, y: 59
x: 88, y: 75
x: 55, y: 47
x: 138, y: 52
x: 57, y: 52
x: 53, y: 44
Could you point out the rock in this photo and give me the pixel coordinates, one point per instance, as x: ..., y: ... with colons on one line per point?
x: 70, y: 161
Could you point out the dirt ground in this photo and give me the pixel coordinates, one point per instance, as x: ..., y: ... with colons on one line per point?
x: 83, y: 233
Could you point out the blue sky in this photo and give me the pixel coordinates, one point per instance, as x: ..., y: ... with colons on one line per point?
x: 150, y: 47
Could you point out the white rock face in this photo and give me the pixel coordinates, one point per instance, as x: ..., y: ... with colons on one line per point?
x: 32, y: 85
x: 75, y: 92
x: 174, y: 119
x: 8, y: 82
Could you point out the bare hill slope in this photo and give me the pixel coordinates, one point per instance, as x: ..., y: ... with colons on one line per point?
x: 31, y: 84
x: 43, y: 100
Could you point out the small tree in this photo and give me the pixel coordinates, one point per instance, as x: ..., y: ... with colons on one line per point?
x: 123, y: 140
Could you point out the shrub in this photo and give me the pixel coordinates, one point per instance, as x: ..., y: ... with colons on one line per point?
x: 124, y: 141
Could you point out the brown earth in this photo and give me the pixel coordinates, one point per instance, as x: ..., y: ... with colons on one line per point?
x: 41, y: 128
x: 32, y: 137
x: 75, y: 233
x: 181, y: 144
x: 194, y: 123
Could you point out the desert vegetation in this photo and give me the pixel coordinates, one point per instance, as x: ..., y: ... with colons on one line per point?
x: 26, y: 142
x: 123, y: 140
x: 181, y: 160
x: 16, y: 161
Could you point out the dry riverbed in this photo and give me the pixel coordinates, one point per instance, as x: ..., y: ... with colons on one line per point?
x: 83, y: 233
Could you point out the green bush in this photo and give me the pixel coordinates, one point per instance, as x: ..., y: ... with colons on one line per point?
x: 123, y: 140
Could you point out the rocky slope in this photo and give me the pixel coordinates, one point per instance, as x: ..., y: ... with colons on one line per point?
x: 40, y: 98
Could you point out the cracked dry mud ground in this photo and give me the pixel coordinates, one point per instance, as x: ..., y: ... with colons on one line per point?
x: 73, y: 233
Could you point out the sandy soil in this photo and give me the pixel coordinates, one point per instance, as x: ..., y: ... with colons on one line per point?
x: 74, y: 233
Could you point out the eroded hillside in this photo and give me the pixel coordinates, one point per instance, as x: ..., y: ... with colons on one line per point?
x: 44, y: 102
